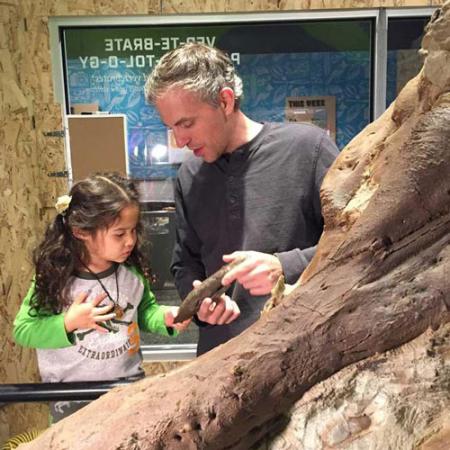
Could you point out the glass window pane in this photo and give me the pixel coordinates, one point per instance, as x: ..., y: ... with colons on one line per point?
x: 404, y: 62
x: 159, y: 233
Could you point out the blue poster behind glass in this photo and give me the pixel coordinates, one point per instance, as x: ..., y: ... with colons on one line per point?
x: 109, y: 66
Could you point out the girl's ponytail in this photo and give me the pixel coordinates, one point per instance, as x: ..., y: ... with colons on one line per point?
x: 54, y: 260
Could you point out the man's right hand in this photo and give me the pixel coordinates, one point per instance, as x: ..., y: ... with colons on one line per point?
x: 258, y: 272
x: 222, y: 310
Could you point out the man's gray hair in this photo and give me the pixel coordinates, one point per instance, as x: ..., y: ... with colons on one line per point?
x: 194, y: 67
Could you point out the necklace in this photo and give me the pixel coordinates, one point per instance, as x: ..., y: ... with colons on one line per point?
x: 118, y: 310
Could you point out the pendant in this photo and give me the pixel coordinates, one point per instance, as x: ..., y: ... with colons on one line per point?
x: 118, y: 311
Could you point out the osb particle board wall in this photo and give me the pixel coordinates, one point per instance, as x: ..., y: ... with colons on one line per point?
x: 27, y: 112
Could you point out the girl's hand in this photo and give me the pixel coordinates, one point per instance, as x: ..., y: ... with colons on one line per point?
x: 169, y: 317
x: 86, y: 315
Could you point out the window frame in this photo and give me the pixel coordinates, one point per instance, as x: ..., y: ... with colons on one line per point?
x: 399, y: 13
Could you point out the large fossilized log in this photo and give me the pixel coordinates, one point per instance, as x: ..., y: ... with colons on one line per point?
x: 380, y: 279
x: 397, y: 400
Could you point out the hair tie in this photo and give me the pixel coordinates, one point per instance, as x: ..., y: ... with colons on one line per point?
x: 62, y: 203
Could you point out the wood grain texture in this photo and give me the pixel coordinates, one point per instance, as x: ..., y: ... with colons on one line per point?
x: 397, y: 400
x: 217, y: 6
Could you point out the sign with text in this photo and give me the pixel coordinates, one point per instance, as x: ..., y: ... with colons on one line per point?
x: 318, y: 110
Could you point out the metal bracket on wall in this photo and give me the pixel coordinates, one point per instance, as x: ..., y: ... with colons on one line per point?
x: 60, y: 174
x: 58, y: 133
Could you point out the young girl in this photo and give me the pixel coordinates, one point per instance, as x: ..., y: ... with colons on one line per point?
x: 89, y: 297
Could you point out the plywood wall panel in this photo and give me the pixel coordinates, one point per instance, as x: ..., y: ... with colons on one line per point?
x: 47, y: 119
x: 158, y: 367
x: 101, y: 7
x: 215, y: 6
x: 338, y: 4
x: 22, y: 54
x: 13, y: 98
x: 19, y: 225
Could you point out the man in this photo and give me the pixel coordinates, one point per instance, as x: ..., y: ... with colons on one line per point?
x: 248, y: 189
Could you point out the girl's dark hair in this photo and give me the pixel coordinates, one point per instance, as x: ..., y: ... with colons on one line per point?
x: 96, y: 203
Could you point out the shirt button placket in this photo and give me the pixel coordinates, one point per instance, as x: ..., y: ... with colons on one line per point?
x: 233, y: 204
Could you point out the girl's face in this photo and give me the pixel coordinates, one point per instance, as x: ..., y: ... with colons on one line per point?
x: 115, y: 243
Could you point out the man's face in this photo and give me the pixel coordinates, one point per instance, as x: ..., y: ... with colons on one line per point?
x: 196, y: 124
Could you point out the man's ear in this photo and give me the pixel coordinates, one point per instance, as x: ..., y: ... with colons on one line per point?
x: 79, y: 233
x: 227, y: 100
